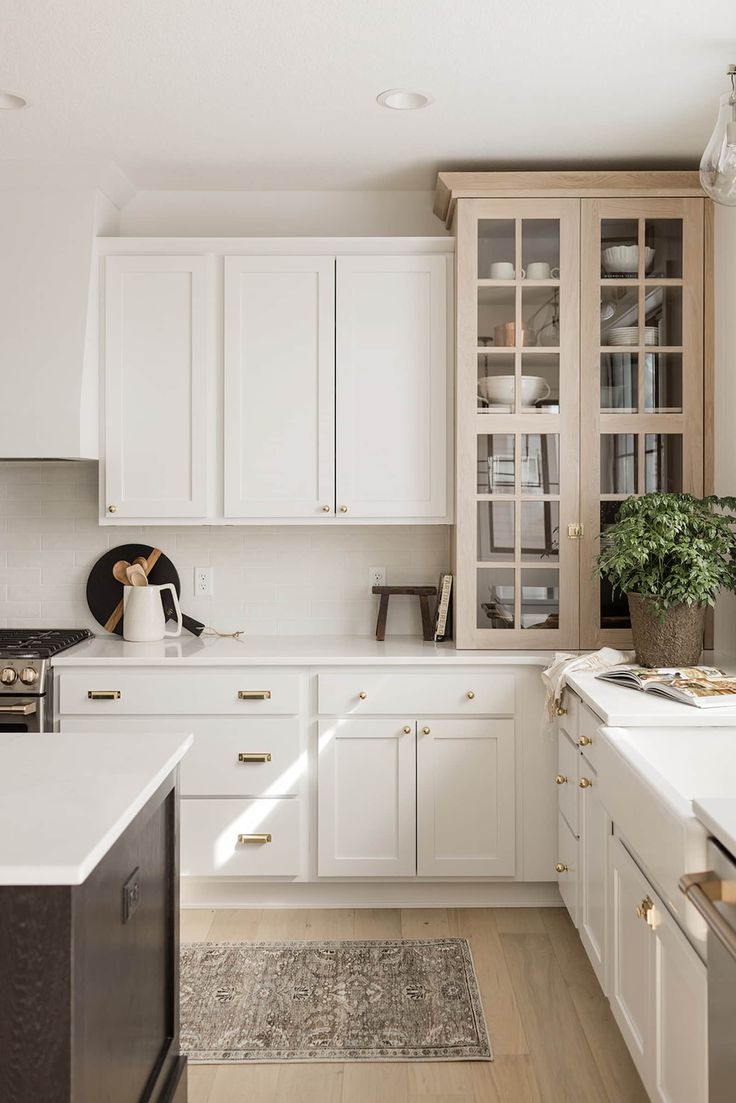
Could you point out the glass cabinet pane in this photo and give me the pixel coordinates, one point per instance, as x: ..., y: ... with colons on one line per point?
x: 540, y: 316
x: 619, y: 248
x: 496, y: 463
x: 496, y: 382
x: 619, y: 463
x: 496, y: 245
x: 540, y: 248
x: 540, y: 463
x: 540, y: 532
x: 540, y: 382
x: 496, y: 317
x: 663, y: 383
x: 620, y: 316
x: 620, y: 382
x: 495, y: 530
x: 663, y: 316
x: 540, y: 599
x: 663, y: 462
x: 495, y: 588
x: 664, y: 237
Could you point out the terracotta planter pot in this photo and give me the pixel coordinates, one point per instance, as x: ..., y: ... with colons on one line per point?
x: 675, y: 640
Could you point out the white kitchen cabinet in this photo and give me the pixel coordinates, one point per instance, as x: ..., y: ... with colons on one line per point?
x: 279, y: 398
x: 157, y: 377
x: 465, y: 798
x: 392, y: 387
x: 658, y: 988
x: 568, y: 874
x: 595, y: 831
x: 366, y: 798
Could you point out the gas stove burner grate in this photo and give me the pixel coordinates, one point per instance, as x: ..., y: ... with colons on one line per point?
x: 39, y: 642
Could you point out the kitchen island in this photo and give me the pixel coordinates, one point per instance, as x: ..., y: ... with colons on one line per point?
x: 89, y: 924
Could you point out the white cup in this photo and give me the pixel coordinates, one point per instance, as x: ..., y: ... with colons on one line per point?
x: 540, y: 270
x: 503, y: 270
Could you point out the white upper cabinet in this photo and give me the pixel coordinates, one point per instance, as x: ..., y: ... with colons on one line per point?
x: 392, y: 387
x: 157, y: 370
x: 279, y: 386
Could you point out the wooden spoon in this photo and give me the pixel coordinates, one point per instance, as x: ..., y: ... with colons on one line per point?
x: 136, y: 575
x: 119, y: 571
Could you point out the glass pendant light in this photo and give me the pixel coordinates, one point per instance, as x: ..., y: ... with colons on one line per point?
x: 718, y: 166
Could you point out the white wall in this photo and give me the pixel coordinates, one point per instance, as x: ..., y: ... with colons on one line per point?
x: 285, y: 213
x: 269, y: 581
x: 725, y: 397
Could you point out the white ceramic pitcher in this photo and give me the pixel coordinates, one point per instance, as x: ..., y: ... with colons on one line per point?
x: 143, y: 613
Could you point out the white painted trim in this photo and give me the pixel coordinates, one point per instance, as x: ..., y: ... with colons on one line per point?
x: 275, y: 246
x: 230, y: 892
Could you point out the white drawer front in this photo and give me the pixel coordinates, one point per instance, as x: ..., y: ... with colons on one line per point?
x: 410, y: 695
x: 570, y: 720
x: 212, y: 767
x: 119, y: 692
x: 568, y: 767
x: 568, y: 880
x: 210, y: 838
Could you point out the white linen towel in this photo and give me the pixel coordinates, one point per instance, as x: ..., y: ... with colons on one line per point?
x: 555, y: 676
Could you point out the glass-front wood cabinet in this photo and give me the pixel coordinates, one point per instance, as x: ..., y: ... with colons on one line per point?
x: 580, y: 377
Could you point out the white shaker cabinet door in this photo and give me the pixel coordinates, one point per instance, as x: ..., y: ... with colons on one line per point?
x: 631, y: 956
x: 157, y: 357
x: 367, y: 798
x: 466, y: 820
x: 392, y: 387
x: 595, y: 832
x: 279, y: 400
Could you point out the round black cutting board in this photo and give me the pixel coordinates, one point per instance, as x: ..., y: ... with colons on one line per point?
x: 104, y: 592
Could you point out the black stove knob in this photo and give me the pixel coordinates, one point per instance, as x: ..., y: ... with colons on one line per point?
x: 8, y: 676
x: 28, y: 675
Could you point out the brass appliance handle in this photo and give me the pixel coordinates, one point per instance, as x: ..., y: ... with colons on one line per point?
x: 256, y: 756
x: 254, y: 694
x: 19, y: 710
x: 265, y: 837
x: 703, y: 890
x: 104, y: 694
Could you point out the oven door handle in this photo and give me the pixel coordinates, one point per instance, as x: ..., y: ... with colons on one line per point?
x: 18, y: 710
x: 702, y: 890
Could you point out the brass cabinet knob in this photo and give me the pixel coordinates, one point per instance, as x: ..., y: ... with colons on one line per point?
x: 560, y: 710
x: 585, y: 783
x: 470, y: 695
x: 642, y: 912
x: 362, y: 695
x: 426, y: 731
x: 407, y: 729
x: 560, y: 779
x: 343, y: 509
x: 584, y: 741
x: 561, y: 868
x: 326, y: 509
x: 112, y: 509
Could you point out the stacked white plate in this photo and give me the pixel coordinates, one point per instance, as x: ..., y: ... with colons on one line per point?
x: 629, y: 335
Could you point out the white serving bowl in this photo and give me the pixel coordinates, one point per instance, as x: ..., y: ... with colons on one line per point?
x: 498, y: 390
x: 625, y: 258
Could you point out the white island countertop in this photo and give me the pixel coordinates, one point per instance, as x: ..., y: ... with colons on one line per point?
x: 288, y: 651
x: 66, y: 799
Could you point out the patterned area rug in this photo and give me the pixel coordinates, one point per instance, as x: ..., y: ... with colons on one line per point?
x: 379, y: 1000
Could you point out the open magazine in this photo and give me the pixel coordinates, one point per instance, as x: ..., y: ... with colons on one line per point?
x: 702, y: 686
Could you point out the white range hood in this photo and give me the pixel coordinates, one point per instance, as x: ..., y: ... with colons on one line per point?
x: 48, y: 316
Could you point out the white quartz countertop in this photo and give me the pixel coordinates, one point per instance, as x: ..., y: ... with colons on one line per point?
x: 621, y: 707
x: 65, y: 799
x: 288, y: 651
x: 718, y: 815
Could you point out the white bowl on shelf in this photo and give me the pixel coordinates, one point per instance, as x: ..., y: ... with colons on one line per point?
x: 625, y: 259
x: 498, y: 390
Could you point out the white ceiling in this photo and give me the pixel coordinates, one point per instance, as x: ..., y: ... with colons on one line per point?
x: 260, y: 94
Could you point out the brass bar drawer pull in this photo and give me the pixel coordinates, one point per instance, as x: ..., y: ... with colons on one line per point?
x: 265, y: 837
x: 254, y: 694
x: 104, y: 695
x: 245, y: 756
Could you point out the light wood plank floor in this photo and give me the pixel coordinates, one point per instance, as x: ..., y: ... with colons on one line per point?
x: 552, y: 1032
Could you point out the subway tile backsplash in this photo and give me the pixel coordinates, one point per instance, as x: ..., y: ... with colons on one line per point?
x: 267, y: 580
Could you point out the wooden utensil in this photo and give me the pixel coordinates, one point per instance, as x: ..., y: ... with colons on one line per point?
x: 119, y: 571
x: 136, y: 575
x: 116, y: 616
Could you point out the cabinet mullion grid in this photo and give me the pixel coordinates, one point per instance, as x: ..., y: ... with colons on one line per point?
x: 518, y: 342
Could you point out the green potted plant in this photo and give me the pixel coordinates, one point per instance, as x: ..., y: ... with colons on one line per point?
x: 670, y: 554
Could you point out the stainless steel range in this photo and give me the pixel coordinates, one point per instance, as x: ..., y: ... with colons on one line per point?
x: 25, y: 675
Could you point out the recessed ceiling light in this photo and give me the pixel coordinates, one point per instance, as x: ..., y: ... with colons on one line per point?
x: 398, y: 99
x: 9, y: 102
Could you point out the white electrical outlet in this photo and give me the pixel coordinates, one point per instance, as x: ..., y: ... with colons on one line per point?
x: 376, y: 577
x: 203, y: 581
